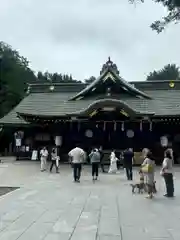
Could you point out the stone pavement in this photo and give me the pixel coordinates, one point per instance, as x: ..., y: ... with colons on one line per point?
x: 52, y: 207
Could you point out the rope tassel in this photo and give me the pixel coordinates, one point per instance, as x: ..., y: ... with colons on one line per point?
x: 122, y: 126
x: 115, y: 126
x: 104, y: 127
x: 79, y: 126
x: 150, y: 126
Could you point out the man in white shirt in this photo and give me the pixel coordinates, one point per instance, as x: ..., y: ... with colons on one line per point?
x: 43, y: 157
x: 77, y: 156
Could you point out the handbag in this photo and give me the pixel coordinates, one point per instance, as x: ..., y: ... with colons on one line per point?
x: 162, y: 172
x: 148, y: 168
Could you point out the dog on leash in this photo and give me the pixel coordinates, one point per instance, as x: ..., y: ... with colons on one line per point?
x: 140, y: 186
x: 143, y: 188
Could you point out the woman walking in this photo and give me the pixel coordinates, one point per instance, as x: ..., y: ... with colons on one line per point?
x: 54, y: 160
x: 95, y: 160
x: 167, y: 173
x: 148, y: 168
x: 43, y: 158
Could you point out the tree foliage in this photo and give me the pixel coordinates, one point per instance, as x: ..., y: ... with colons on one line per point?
x: 90, y: 80
x: 14, y: 76
x: 173, y: 16
x: 168, y: 72
x: 55, y: 77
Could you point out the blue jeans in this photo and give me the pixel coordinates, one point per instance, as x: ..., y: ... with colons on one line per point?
x: 77, y: 171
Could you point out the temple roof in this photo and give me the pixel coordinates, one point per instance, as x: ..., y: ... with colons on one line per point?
x: 110, y: 83
x: 156, y: 98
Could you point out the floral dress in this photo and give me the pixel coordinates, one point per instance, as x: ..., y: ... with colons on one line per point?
x: 149, y: 177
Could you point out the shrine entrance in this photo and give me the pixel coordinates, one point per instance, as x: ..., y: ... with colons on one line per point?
x: 109, y: 127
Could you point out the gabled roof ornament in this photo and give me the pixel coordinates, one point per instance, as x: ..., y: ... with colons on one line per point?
x: 110, y: 72
x: 108, y: 92
x: 110, y: 66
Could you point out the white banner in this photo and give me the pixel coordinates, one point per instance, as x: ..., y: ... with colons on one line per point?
x: 18, y: 142
x: 34, y: 155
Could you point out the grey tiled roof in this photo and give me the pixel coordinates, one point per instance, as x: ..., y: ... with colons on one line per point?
x: 49, y: 104
x: 57, y: 104
x: 164, y: 102
x: 12, y: 118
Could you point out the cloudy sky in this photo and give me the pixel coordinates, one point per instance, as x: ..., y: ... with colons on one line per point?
x: 77, y: 36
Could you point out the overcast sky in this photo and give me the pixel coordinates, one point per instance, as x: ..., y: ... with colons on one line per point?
x: 77, y: 36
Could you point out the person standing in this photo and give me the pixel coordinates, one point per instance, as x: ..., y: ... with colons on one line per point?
x: 43, y: 157
x: 95, y: 160
x: 113, y: 162
x: 128, y: 163
x: 148, y: 168
x: 167, y: 173
x: 77, y: 156
x: 101, y: 159
x: 54, y: 160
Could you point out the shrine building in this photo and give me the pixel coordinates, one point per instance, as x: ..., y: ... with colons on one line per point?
x: 109, y: 112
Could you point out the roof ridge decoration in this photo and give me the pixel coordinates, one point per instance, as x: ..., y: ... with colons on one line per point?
x: 110, y: 72
x: 109, y: 65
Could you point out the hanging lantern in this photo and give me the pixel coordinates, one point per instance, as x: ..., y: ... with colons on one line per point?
x: 164, y: 141
x: 122, y: 127
x: 115, y: 126
x: 58, y: 140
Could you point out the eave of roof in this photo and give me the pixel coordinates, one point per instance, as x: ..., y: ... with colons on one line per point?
x: 88, y: 108
x: 12, y: 118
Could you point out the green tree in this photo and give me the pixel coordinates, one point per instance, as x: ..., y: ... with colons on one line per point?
x: 55, y: 77
x: 169, y: 72
x: 90, y: 80
x: 40, y: 76
x: 173, y: 9
x: 14, y: 76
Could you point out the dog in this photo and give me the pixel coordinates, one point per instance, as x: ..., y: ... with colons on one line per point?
x: 141, y: 187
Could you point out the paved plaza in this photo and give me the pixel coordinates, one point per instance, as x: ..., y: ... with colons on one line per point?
x: 52, y: 207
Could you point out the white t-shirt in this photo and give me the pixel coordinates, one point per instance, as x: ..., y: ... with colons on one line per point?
x: 44, y: 153
x: 77, y: 155
x: 168, y: 165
